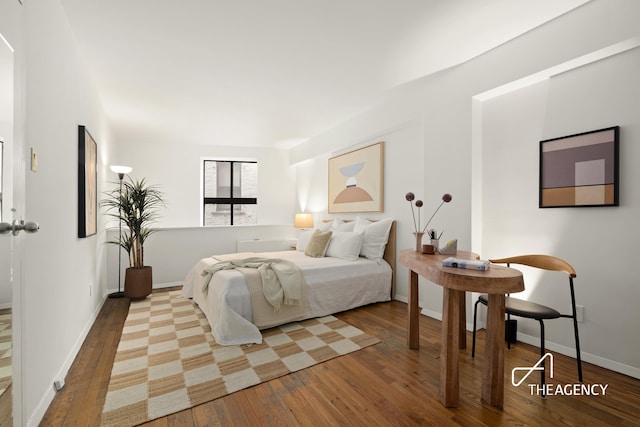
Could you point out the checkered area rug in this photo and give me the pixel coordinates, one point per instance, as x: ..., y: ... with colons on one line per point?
x: 168, y: 361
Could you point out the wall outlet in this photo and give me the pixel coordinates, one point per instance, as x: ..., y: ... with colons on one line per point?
x: 579, y: 313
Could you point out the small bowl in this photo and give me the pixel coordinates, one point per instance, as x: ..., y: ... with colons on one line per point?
x: 428, y: 249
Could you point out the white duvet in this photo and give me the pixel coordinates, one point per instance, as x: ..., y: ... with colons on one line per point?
x: 333, y: 285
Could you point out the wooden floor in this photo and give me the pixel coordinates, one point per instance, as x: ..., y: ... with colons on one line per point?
x: 386, y: 384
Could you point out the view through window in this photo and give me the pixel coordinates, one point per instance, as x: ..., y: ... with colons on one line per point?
x: 230, y: 192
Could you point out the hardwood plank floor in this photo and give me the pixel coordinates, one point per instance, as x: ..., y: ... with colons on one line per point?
x: 385, y: 384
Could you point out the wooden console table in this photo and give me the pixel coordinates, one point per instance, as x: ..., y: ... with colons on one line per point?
x: 497, y: 281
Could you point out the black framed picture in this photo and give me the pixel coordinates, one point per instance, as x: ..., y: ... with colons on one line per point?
x: 580, y: 170
x: 87, y: 183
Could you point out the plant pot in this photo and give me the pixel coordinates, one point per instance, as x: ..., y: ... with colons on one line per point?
x: 138, y: 282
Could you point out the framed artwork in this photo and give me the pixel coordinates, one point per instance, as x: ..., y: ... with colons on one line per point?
x: 87, y: 183
x: 580, y: 170
x: 356, y: 180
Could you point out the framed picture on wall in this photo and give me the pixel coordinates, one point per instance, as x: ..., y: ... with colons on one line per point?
x: 580, y: 170
x: 356, y: 180
x: 87, y: 183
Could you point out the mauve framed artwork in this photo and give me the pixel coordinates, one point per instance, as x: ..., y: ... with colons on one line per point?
x: 580, y: 170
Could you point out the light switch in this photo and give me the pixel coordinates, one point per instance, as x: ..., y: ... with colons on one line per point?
x: 34, y: 160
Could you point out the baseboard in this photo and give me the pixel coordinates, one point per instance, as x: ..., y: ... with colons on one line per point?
x: 166, y: 285
x: 156, y: 286
x: 430, y: 313
x: 612, y: 365
x: 42, y: 406
x: 401, y: 299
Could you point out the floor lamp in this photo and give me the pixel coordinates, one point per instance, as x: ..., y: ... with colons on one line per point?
x: 121, y: 171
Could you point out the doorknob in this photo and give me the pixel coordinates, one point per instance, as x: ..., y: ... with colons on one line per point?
x: 15, y: 228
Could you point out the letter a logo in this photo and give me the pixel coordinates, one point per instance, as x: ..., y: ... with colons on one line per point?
x: 529, y: 370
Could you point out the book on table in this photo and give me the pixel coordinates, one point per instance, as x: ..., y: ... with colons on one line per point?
x: 469, y: 264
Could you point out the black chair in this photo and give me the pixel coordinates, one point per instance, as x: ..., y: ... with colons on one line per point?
x: 521, y: 308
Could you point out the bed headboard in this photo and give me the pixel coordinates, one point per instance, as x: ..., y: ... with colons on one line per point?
x: 390, y: 256
x: 389, y: 252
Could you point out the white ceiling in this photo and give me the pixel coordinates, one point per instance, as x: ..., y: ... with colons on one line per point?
x: 277, y: 72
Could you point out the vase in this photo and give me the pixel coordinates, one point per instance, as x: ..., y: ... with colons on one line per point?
x: 418, y: 235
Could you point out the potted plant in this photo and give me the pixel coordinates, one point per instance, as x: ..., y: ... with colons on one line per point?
x: 136, y: 205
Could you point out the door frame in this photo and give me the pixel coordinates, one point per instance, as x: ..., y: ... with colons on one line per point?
x: 12, y: 29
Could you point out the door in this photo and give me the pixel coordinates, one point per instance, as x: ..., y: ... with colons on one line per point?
x: 11, y: 205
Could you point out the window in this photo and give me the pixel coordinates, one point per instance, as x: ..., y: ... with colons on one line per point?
x: 230, y: 192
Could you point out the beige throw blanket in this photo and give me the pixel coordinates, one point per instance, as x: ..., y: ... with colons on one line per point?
x: 276, y: 287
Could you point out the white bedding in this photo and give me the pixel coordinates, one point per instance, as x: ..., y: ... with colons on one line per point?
x: 333, y: 285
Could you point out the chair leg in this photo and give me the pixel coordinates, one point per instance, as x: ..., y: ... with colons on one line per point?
x: 575, y: 328
x: 578, y: 358
x: 542, y: 372
x: 473, y: 345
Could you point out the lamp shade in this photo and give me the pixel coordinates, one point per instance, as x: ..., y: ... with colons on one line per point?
x: 120, y: 169
x: 303, y: 220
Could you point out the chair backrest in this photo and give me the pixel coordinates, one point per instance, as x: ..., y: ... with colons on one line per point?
x: 545, y: 262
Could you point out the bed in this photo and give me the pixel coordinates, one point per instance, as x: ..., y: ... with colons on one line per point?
x: 333, y: 283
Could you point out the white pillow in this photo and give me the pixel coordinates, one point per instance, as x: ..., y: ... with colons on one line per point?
x: 345, y: 245
x: 340, y: 225
x: 376, y: 235
x: 326, y: 226
x: 303, y: 239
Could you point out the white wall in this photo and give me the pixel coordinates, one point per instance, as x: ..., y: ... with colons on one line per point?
x: 175, y: 167
x: 598, y: 242
x: 440, y: 158
x: 63, y: 281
